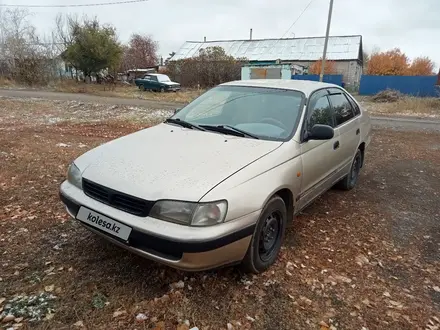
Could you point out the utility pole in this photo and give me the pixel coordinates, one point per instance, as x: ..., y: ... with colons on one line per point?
x: 329, y: 20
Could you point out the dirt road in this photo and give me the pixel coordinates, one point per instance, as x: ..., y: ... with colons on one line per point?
x: 86, y: 98
x: 397, y: 123
x: 407, y: 123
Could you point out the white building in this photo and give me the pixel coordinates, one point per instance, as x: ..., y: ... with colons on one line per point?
x: 345, y: 51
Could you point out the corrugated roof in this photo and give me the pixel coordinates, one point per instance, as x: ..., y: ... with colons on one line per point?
x: 293, y: 49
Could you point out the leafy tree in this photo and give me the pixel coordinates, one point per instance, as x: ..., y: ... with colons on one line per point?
x: 421, y: 66
x: 395, y: 63
x: 93, y: 48
x: 330, y: 67
x: 389, y: 63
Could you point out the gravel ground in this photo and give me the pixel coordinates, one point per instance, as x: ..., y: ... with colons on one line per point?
x: 364, y: 259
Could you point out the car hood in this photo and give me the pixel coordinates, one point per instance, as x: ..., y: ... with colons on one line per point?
x: 170, y: 162
x: 170, y: 83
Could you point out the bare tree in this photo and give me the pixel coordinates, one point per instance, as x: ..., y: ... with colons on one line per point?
x: 63, y: 36
x: 140, y: 52
x: 26, y: 57
x: 16, y: 33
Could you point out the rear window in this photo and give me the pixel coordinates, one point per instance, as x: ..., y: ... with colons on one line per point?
x: 357, y: 110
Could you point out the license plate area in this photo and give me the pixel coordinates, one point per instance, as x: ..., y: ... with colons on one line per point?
x: 104, y: 223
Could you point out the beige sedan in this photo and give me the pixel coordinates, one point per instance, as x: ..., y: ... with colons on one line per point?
x: 217, y: 183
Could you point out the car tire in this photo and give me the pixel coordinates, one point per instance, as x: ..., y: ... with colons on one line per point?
x: 141, y: 87
x: 162, y: 90
x: 350, y: 180
x: 267, y: 238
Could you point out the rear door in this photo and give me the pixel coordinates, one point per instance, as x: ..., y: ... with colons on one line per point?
x: 321, y: 159
x: 348, y: 127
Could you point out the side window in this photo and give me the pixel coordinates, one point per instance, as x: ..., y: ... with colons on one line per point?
x: 320, y: 113
x: 153, y: 78
x: 147, y: 78
x: 357, y: 110
x: 342, y: 108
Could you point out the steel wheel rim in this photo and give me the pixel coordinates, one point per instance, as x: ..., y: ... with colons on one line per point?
x: 269, y: 236
x: 355, y: 169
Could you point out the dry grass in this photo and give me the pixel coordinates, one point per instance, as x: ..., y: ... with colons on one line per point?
x: 126, y: 91
x: 405, y: 106
x: 367, y: 258
x: 7, y: 83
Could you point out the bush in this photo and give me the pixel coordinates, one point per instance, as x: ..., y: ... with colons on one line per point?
x: 34, y: 71
x: 329, y: 68
x: 211, y: 67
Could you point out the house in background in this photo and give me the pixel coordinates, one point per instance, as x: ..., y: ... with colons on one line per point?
x: 346, y: 51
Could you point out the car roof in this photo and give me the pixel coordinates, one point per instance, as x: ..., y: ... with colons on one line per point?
x: 305, y: 86
x: 155, y: 74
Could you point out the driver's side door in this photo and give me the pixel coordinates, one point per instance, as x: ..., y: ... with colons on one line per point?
x: 147, y: 82
x: 320, y: 158
x: 154, y: 84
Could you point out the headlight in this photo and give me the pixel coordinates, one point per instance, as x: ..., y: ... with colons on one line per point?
x: 187, y: 213
x: 74, y: 176
x: 208, y: 214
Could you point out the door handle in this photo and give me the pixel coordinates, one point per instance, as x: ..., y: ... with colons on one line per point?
x: 358, y: 131
x: 336, y: 145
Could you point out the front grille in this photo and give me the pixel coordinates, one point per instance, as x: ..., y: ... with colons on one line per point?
x: 116, y: 199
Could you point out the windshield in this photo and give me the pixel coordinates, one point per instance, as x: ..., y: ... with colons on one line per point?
x: 267, y: 113
x: 163, y: 78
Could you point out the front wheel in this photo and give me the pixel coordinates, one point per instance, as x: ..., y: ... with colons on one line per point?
x: 349, y: 182
x: 268, y: 237
x: 162, y: 90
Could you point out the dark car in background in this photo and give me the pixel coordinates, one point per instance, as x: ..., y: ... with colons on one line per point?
x: 157, y: 82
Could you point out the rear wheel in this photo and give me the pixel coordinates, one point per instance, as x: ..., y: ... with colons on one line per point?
x: 268, y: 237
x: 349, y: 182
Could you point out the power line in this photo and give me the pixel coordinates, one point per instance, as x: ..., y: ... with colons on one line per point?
x: 300, y: 15
x: 291, y: 26
x: 75, y: 5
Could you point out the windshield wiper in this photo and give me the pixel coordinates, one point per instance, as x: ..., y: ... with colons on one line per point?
x: 227, y: 129
x: 183, y: 123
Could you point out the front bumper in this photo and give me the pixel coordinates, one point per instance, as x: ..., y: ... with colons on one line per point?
x: 178, y: 246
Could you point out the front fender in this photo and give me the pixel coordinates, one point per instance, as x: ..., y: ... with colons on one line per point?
x: 249, y: 189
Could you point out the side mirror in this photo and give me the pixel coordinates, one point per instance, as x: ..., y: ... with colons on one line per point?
x: 321, y: 132
x: 177, y: 110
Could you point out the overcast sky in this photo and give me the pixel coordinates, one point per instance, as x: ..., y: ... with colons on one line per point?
x: 408, y: 24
